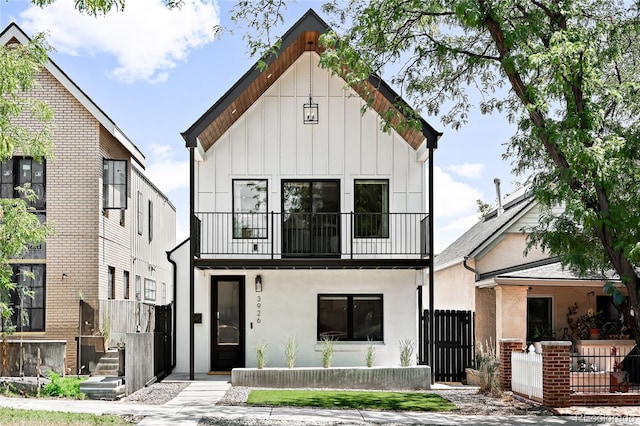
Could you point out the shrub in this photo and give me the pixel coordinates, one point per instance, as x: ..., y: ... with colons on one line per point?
x: 66, y: 387
x: 291, y: 351
x: 407, y: 346
x: 327, y: 352
x: 370, y: 354
x: 261, y: 354
x: 487, y: 365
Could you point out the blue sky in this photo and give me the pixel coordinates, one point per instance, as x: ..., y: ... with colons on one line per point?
x: 154, y: 72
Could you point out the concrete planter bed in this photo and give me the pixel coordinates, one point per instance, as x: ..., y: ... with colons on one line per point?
x: 388, y: 378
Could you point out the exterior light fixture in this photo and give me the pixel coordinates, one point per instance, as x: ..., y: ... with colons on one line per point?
x: 310, y: 109
x: 258, y: 284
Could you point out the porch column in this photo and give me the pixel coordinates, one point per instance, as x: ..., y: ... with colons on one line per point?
x: 556, y: 378
x: 506, y: 347
x: 511, y: 312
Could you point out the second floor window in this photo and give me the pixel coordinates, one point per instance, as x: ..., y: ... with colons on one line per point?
x: 149, y: 289
x: 249, y: 209
x: 150, y: 220
x: 20, y: 171
x: 140, y: 213
x: 114, y: 182
x: 371, y: 204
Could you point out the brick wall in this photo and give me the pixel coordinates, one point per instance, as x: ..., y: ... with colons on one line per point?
x: 506, y: 347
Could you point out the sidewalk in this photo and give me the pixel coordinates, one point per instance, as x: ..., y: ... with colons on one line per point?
x: 199, y: 398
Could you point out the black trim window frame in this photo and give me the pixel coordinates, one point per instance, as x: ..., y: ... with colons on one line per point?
x: 36, y: 304
x: 371, y: 222
x: 19, y: 171
x: 350, y: 317
x: 250, y: 223
x: 140, y: 213
x: 115, y: 183
x: 111, y: 282
x: 150, y: 220
x: 126, y: 284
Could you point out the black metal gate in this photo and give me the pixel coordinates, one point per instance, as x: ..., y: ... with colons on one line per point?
x: 162, y: 340
x: 453, y: 344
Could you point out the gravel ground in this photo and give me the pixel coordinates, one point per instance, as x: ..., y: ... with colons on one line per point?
x: 156, y: 394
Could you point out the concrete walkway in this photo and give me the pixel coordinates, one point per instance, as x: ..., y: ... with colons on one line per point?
x: 199, y: 398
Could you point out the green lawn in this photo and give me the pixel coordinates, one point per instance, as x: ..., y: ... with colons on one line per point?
x: 11, y: 416
x: 396, y: 401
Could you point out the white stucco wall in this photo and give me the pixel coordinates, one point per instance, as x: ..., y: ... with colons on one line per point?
x: 288, y: 305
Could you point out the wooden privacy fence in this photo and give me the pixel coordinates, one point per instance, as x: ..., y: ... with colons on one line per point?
x: 450, y: 350
x: 526, y: 374
x: 119, y: 317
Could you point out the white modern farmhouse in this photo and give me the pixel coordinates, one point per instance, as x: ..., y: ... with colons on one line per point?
x: 308, y: 220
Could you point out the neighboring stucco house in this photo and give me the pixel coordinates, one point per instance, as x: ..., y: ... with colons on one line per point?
x: 112, y: 225
x: 513, y: 295
x: 309, y: 220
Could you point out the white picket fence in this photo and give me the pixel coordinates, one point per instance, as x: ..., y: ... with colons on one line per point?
x: 526, y: 374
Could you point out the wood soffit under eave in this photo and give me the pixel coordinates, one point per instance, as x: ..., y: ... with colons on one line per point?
x: 263, y: 82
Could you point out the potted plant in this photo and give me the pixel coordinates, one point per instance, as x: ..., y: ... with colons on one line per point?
x: 618, y: 379
x: 591, y: 324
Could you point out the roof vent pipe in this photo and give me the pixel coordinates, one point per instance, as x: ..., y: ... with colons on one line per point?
x: 496, y: 181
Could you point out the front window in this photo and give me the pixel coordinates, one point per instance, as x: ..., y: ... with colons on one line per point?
x: 149, y: 289
x: 249, y: 209
x: 371, y: 208
x: 539, y: 318
x: 27, y: 299
x: 114, y: 182
x: 350, y: 317
x: 125, y: 284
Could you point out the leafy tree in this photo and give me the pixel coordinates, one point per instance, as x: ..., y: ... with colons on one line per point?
x: 19, y: 227
x: 566, y: 71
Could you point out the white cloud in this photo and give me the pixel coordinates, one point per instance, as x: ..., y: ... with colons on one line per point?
x: 455, y: 208
x: 468, y: 170
x: 146, y: 38
x: 166, y: 171
x: 453, y: 198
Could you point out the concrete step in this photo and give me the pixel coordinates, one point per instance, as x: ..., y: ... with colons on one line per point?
x: 100, y: 387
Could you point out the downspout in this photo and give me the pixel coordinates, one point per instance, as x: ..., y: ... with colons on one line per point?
x: 431, y: 250
x: 175, y: 314
x: 192, y: 253
x: 475, y: 271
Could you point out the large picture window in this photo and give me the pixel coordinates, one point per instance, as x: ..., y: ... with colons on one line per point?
x: 114, y: 182
x: 28, y: 309
x: 249, y: 209
x: 350, y: 317
x: 371, y: 204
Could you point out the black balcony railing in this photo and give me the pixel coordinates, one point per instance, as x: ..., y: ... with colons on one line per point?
x: 307, y: 235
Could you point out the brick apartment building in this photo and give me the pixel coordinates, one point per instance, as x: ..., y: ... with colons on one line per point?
x: 104, y: 212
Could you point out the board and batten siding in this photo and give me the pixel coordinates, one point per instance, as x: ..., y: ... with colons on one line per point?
x: 270, y: 141
x: 149, y: 258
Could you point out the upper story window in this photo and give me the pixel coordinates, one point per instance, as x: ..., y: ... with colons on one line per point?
x: 249, y: 209
x: 20, y: 171
x: 114, y: 182
x: 149, y: 289
x: 350, y: 317
x: 150, y: 220
x: 371, y: 204
x: 140, y: 213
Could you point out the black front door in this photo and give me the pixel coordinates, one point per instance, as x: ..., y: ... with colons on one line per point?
x: 311, y: 218
x: 227, y: 322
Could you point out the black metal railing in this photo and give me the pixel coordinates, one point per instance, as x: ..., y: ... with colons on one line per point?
x: 282, y: 235
x: 599, y: 370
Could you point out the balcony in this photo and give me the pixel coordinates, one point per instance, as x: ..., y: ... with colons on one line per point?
x: 308, y: 240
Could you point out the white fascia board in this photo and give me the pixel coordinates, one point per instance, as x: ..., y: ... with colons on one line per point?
x: 422, y: 153
x: 15, y: 32
x: 540, y: 282
x: 199, y: 151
